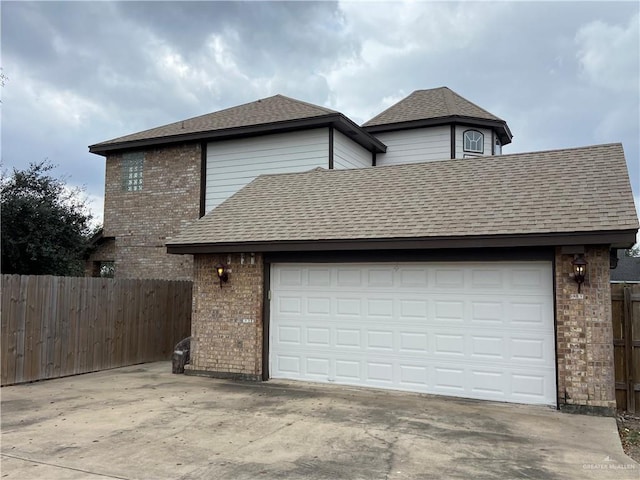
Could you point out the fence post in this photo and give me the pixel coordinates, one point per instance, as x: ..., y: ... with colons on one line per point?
x: 628, y: 349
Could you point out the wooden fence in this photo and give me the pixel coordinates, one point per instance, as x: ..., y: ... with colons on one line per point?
x: 58, y: 326
x: 625, y: 301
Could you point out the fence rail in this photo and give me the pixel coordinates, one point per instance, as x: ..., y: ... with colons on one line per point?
x: 625, y: 303
x: 58, y: 326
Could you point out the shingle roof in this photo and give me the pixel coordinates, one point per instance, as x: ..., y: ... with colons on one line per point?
x: 277, y: 108
x: 434, y: 107
x: 428, y: 104
x: 628, y: 270
x: 573, y: 190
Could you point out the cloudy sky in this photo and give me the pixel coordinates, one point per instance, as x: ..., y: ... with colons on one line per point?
x: 562, y: 74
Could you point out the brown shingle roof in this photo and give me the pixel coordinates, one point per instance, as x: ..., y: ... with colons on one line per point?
x: 428, y: 104
x: 561, y: 191
x: 277, y: 108
x: 435, y: 106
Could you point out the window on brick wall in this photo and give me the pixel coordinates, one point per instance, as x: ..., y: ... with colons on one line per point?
x: 104, y: 268
x: 132, y: 167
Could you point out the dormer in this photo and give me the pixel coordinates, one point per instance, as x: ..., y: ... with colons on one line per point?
x: 437, y: 124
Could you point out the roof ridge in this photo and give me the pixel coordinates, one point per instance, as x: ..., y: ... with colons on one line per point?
x: 324, y: 109
x: 472, y: 103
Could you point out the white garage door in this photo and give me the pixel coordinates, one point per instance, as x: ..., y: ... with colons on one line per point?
x: 476, y: 330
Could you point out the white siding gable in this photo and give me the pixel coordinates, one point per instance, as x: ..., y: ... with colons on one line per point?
x: 415, y: 145
x: 232, y: 164
x: 348, y: 154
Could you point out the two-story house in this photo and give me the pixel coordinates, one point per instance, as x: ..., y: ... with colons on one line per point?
x: 158, y: 181
x: 408, y: 253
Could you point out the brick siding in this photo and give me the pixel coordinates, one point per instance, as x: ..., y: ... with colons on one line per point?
x: 585, y: 334
x: 223, y: 345
x: 226, y: 323
x: 142, y: 221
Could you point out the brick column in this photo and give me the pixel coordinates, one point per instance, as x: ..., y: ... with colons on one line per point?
x: 585, y: 335
x: 226, y: 324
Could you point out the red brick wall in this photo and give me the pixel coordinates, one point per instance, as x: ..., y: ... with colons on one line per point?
x: 226, y: 323
x: 142, y: 221
x: 585, y: 333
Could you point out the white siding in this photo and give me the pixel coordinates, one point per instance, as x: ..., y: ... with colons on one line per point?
x: 460, y: 153
x: 232, y: 164
x: 348, y: 154
x: 416, y: 145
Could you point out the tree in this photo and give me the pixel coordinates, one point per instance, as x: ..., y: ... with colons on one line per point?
x: 44, y: 225
x: 633, y: 251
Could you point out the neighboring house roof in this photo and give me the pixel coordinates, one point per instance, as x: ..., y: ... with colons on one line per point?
x: 268, y: 115
x: 570, y: 196
x: 432, y: 107
x: 627, y: 270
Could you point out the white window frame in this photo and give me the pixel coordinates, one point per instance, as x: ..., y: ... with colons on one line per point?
x: 132, y: 171
x: 473, y: 141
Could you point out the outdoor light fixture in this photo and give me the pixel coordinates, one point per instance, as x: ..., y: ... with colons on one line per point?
x: 579, y: 269
x: 223, y: 273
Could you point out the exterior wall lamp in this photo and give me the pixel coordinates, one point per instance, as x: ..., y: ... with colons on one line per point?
x: 579, y: 269
x: 223, y: 273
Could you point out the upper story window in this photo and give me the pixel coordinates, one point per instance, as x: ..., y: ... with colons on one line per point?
x: 498, y: 148
x: 132, y: 167
x: 473, y: 141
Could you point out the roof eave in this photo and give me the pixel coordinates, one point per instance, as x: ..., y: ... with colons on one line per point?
x: 615, y: 238
x: 339, y: 121
x: 501, y: 127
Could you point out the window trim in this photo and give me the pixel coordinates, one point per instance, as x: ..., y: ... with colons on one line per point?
x: 469, y: 148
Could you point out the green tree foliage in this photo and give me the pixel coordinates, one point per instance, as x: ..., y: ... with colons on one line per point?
x: 44, y: 224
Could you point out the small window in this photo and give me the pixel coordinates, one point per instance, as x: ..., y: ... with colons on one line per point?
x: 473, y: 141
x: 104, y: 269
x: 498, y: 148
x: 132, y: 167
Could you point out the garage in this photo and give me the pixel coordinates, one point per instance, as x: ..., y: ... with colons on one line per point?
x: 482, y: 330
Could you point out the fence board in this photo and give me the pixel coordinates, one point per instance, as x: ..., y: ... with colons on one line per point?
x: 59, y: 326
x: 625, y: 309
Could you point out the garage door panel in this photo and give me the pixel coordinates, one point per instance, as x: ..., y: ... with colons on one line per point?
x: 319, y: 277
x: 463, y: 330
x: 318, y: 306
x: 379, y: 308
x: 380, y: 277
x: 348, y: 307
x: 348, y: 370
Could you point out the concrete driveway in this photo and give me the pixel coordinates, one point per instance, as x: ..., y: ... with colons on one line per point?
x: 142, y: 422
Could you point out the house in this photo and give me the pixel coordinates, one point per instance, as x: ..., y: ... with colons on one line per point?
x: 161, y: 180
x: 438, y: 267
x: 626, y: 270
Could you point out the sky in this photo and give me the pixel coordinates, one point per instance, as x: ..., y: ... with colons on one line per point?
x: 562, y: 74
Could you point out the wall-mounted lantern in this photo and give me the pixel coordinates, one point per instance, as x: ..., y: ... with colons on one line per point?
x: 579, y: 269
x: 223, y: 273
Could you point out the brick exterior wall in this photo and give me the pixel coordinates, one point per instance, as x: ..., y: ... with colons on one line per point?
x: 585, y: 335
x: 226, y: 323
x: 105, y: 252
x: 142, y: 221
x: 223, y: 345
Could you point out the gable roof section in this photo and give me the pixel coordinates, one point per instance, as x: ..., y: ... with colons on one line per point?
x: 268, y: 115
x: 627, y: 270
x: 579, y: 195
x: 433, y: 107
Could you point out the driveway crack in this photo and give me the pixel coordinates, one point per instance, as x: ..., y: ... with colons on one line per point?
x: 106, y: 475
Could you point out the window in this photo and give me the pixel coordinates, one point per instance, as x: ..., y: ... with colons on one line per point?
x: 132, y: 166
x: 473, y: 141
x: 104, y: 269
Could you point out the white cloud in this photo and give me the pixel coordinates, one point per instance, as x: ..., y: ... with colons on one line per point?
x: 605, y: 53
